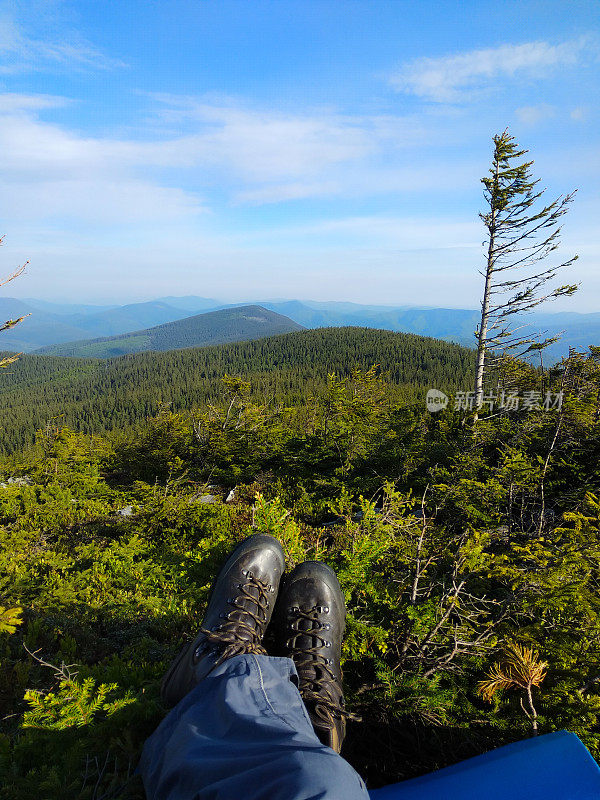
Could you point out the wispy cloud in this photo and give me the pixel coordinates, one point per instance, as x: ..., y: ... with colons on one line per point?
x: 452, y: 78
x: 266, y: 144
x: 533, y: 115
x: 50, y: 173
x: 255, y: 157
x: 20, y: 52
x: 269, y: 156
x: 13, y: 102
x: 580, y: 113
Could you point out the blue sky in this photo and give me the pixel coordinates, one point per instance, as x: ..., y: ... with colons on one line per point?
x: 244, y: 149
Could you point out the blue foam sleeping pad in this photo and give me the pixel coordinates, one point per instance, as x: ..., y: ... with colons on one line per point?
x: 556, y: 766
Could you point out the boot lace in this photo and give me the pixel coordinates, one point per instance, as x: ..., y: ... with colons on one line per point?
x: 318, y: 682
x: 243, y: 632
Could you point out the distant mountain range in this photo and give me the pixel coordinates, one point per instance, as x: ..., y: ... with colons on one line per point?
x: 52, y: 323
x: 237, y: 324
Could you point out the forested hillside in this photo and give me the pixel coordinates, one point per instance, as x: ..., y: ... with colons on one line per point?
x: 215, y: 327
x: 95, y: 396
x: 469, y: 554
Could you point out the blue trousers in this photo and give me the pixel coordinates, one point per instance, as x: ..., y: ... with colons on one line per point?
x: 243, y: 733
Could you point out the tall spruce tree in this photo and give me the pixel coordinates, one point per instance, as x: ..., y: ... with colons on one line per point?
x: 521, y: 232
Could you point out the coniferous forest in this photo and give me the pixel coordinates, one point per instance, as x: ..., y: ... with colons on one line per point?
x: 93, y: 395
x: 468, y: 550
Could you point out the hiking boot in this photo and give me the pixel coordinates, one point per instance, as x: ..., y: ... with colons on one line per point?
x: 310, y: 622
x: 239, y: 609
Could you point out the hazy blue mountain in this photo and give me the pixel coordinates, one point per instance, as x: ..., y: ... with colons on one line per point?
x: 343, y: 307
x: 441, y: 323
x: 73, y: 322
x: 193, y: 304
x: 11, y: 308
x: 37, y: 329
x: 67, y: 308
x: 216, y: 327
x: 125, y: 319
x: 580, y: 331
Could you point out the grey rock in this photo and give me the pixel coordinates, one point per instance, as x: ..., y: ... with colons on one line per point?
x: 23, y: 480
x: 208, y: 498
x: 126, y: 511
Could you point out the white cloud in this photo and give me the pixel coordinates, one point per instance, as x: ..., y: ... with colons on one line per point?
x: 269, y: 156
x: 533, y: 115
x: 254, y: 156
x: 263, y: 157
x: 580, y: 114
x: 452, y: 78
x: 363, y: 179
x: 97, y: 201
x: 50, y: 173
x: 12, y: 102
x: 268, y: 145
x: 96, y: 212
x: 20, y: 52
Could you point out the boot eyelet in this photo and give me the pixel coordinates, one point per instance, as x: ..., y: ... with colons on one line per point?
x: 327, y: 644
x: 326, y: 609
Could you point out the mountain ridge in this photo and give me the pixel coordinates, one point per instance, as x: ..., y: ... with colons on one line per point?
x: 200, y: 330
x: 81, y: 322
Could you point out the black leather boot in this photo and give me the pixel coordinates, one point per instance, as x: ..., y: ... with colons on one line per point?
x: 309, y: 624
x: 239, y: 609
